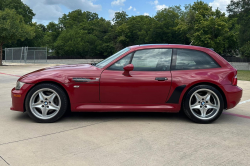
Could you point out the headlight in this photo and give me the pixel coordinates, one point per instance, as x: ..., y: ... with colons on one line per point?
x: 19, y: 85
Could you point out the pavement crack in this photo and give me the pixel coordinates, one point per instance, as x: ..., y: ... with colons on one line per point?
x: 4, y: 160
x: 45, y: 135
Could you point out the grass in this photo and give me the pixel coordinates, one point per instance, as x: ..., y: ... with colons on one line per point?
x: 243, y: 75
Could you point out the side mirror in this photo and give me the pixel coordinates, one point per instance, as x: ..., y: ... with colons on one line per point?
x: 127, y: 69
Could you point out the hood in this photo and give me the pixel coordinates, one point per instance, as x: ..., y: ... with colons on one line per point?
x: 70, y: 67
x: 61, y: 73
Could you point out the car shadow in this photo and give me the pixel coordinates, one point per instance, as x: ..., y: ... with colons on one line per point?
x: 106, y: 116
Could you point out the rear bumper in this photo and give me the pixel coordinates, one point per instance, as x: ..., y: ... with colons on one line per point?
x: 233, y: 95
x: 18, y: 97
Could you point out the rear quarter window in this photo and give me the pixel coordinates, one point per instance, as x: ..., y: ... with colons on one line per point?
x: 192, y: 59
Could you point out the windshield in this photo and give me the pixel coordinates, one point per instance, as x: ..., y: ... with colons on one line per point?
x: 111, y: 58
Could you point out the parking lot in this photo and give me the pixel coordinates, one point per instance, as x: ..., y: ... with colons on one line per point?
x: 121, y: 138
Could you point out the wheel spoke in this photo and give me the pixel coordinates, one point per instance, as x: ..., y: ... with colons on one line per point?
x: 44, y: 111
x: 53, y: 106
x: 195, y: 106
x: 211, y: 106
x: 198, y: 97
x: 37, y: 105
x: 203, y: 112
x: 41, y: 96
x: 207, y: 97
x: 51, y: 97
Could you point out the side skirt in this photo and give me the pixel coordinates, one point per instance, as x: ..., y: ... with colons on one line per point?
x: 126, y: 108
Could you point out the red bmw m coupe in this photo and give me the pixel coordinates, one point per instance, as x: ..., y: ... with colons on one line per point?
x: 142, y: 78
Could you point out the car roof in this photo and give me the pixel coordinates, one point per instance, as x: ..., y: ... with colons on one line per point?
x: 168, y: 46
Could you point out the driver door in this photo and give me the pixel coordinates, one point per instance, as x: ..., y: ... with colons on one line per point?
x: 148, y: 83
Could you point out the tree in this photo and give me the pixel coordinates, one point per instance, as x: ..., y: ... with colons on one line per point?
x: 135, y: 30
x: 81, y: 34
x: 120, y: 18
x: 240, y: 10
x: 52, y: 33
x: 77, y: 17
x: 22, y: 9
x: 164, y: 30
x: 208, y: 28
x: 36, y: 41
x: 12, y: 28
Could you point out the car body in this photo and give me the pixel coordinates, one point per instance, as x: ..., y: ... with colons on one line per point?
x: 103, y: 88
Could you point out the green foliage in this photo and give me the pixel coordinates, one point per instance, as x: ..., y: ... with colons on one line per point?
x: 240, y: 10
x: 80, y: 34
x: 37, y: 40
x: 85, y: 34
x: 12, y: 28
x: 20, y: 8
x: 120, y: 18
x: 208, y: 28
x: 197, y: 23
x: 76, y: 17
x: 52, y: 32
x: 164, y: 29
x: 245, y: 49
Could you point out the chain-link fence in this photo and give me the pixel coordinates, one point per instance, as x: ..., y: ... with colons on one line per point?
x: 26, y: 55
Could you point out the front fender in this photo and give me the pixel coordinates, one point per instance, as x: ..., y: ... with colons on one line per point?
x: 35, y: 78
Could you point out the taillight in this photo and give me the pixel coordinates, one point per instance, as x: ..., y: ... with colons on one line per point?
x: 234, y: 82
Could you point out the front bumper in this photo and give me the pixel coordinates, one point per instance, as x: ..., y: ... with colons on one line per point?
x: 18, y: 97
x: 233, y: 95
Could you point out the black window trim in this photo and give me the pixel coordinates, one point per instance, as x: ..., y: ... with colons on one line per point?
x: 174, y: 59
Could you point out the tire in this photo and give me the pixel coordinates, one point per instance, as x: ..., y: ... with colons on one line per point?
x: 46, y: 103
x: 203, y: 104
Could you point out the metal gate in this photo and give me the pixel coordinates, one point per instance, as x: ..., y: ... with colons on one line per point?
x: 26, y: 55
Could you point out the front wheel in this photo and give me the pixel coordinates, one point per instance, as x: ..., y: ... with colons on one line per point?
x: 46, y: 103
x: 203, y: 104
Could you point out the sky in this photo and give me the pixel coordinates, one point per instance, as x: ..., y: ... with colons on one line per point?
x: 50, y: 10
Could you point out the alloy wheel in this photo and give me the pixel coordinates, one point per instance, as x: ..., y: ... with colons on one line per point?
x: 45, y: 103
x: 204, y: 104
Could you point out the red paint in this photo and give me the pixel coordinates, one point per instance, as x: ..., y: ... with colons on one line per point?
x: 18, y: 102
x: 127, y: 107
x: 10, y: 74
x: 131, y: 90
x: 238, y: 115
x: 127, y: 69
x: 140, y: 88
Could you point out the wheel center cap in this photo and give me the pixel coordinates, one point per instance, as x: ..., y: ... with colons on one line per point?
x: 45, y: 103
x: 203, y: 103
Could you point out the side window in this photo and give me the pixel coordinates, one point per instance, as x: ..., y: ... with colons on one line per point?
x: 121, y: 63
x: 192, y: 59
x: 152, y: 60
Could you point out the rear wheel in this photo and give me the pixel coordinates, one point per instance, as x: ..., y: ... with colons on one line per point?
x: 203, y: 104
x: 46, y: 103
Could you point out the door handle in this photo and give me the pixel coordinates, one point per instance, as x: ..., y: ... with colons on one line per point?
x: 161, y: 78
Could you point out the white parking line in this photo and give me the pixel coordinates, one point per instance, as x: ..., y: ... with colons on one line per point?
x: 244, y: 101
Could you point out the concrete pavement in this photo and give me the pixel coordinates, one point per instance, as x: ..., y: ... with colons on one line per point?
x: 120, y: 138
